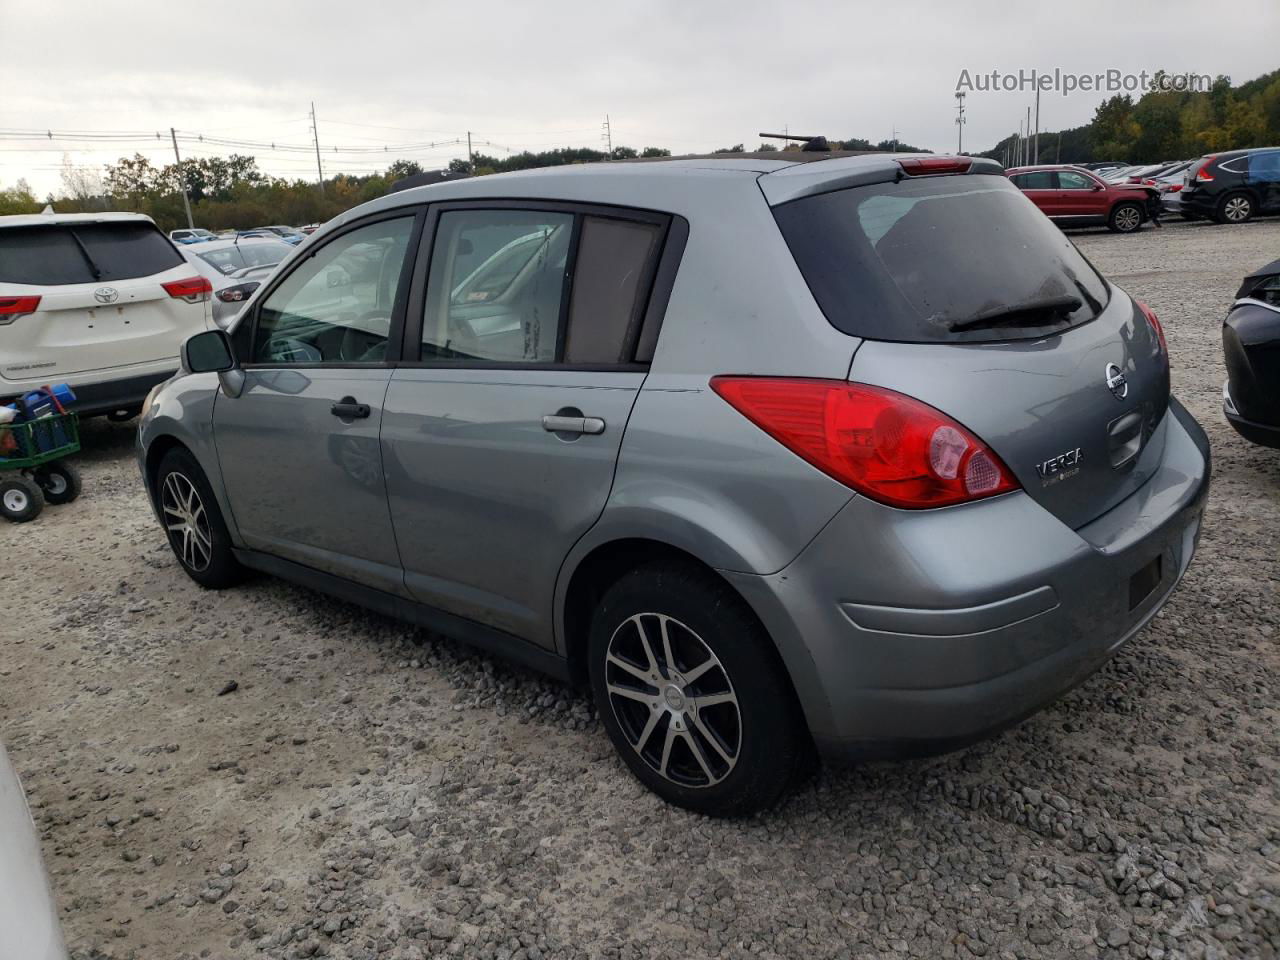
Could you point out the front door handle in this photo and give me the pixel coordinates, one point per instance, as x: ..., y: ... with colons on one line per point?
x: 559, y: 424
x: 348, y: 409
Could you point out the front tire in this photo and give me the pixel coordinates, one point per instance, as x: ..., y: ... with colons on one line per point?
x: 20, y: 499
x: 1125, y: 218
x: 692, y: 693
x: 193, y: 522
x: 1235, y: 208
x: 59, y: 482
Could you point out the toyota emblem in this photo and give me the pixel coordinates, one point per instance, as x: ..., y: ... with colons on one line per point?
x: 106, y: 294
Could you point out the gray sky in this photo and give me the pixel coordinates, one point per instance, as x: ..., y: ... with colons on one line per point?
x: 690, y: 76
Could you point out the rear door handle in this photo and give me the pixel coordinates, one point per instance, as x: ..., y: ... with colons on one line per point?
x: 558, y: 424
x: 348, y: 409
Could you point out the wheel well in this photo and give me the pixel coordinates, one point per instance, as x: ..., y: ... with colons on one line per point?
x: 602, y: 568
x: 155, y: 453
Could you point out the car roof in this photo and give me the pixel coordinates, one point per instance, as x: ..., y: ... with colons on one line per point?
x: 781, y: 175
x: 54, y: 219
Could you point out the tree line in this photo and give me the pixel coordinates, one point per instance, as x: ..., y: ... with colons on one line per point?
x: 232, y: 193
x: 1167, y: 125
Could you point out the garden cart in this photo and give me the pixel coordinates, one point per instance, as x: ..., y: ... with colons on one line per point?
x: 32, y: 471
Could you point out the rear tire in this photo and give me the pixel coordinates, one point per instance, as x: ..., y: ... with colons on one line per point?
x: 193, y: 523
x: 692, y: 693
x: 20, y: 499
x: 59, y: 482
x: 1235, y: 208
x: 1125, y: 218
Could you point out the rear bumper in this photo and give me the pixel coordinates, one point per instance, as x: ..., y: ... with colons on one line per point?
x: 965, y: 620
x: 112, y: 395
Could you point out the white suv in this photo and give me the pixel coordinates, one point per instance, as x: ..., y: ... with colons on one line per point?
x: 100, y: 301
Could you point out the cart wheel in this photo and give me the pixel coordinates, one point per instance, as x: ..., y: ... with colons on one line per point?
x: 59, y: 482
x: 20, y: 499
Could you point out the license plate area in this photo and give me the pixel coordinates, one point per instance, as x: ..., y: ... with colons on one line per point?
x: 1143, y: 583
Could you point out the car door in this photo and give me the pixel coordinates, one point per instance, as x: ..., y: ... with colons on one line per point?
x: 502, y: 427
x: 298, y: 446
x: 1077, y: 196
x: 1264, y: 177
x: 1040, y: 188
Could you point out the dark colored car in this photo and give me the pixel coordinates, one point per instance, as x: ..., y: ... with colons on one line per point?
x: 1073, y: 196
x: 1235, y: 186
x: 1251, y: 345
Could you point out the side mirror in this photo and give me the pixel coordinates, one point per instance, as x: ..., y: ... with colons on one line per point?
x: 208, y: 352
x: 1098, y: 186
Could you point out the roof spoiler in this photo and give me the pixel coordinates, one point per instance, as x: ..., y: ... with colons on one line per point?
x: 809, y: 179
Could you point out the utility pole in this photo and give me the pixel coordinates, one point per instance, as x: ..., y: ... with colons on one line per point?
x: 471, y: 160
x: 607, y: 136
x: 1028, y: 134
x: 315, y: 133
x: 1037, y: 142
x: 182, y: 178
x: 960, y: 121
x: 895, y: 138
x: 1058, y: 157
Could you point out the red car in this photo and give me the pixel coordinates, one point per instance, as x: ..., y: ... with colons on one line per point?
x: 1074, y: 196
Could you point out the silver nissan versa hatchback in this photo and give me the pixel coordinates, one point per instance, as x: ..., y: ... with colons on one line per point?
x: 854, y: 453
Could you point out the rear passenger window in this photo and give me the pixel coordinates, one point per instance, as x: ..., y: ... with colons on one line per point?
x: 61, y: 254
x: 1038, y: 180
x: 614, y: 270
x: 499, y: 288
x: 496, y: 286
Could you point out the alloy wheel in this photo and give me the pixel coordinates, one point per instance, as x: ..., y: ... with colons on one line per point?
x: 673, y: 700
x: 1237, y: 209
x: 1128, y: 219
x: 186, y: 521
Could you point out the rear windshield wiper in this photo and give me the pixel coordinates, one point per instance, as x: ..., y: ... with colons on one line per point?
x: 1019, y: 314
x: 84, y: 251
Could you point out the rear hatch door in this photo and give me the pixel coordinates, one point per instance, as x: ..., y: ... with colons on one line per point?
x: 972, y: 301
x: 103, y: 304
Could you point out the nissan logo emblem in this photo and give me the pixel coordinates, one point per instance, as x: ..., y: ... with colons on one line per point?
x: 1116, y: 382
x: 106, y: 294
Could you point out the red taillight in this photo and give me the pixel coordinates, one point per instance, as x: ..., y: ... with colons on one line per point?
x: 11, y: 308
x: 1203, y: 175
x: 923, y: 166
x: 1172, y: 187
x: 883, y: 444
x: 1156, y: 326
x: 191, y: 289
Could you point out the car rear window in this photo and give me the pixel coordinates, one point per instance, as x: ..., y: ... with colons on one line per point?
x: 926, y: 259
x: 60, y: 254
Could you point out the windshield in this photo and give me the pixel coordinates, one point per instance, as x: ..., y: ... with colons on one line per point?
x: 927, y: 259
x: 237, y: 256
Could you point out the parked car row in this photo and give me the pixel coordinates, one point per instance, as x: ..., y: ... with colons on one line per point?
x: 1229, y: 187
x: 291, y: 235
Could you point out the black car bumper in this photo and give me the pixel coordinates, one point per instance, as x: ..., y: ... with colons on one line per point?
x: 116, y: 395
x: 1251, y: 350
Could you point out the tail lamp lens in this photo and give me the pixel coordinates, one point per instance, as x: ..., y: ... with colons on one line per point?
x: 1202, y: 174
x: 11, y: 308
x: 192, y: 289
x: 883, y: 444
x: 1156, y: 327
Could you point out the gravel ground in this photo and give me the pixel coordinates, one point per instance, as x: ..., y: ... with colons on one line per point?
x: 369, y: 790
